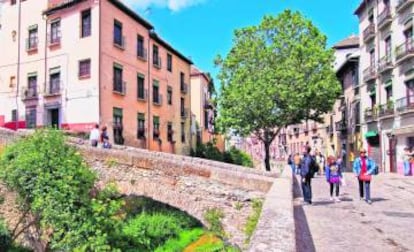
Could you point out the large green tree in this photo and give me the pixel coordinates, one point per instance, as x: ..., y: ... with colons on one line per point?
x: 276, y: 74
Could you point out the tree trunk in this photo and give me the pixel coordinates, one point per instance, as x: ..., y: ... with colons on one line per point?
x: 267, y: 155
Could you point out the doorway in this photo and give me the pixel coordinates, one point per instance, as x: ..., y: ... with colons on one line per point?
x: 392, y: 153
x: 53, y: 118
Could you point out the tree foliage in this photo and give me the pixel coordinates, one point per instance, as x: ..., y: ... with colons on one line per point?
x: 276, y: 74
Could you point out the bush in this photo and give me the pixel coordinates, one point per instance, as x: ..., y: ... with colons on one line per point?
x: 233, y: 156
x: 253, y: 219
x: 184, y: 239
x: 5, y: 239
x: 213, y: 217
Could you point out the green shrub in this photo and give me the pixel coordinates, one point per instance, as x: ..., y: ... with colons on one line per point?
x: 5, y: 239
x: 214, y: 216
x: 233, y: 156
x: 184, y: 239
x: 253, y: 219
x: 239, y: 157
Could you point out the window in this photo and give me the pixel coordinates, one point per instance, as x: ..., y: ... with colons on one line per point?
x: 388, y: 91
x: 371, y: 16
x: 55, y: 32
x: 155, y: 56
x: 54, y: 81
x: 372, y: 57
x: 84, y: 68
x: 140, y: 47
x: 118, y: 39
x: 183, y: 132
x: 169, y: 62
x: 182, y: 76
x: 169, y: 95
x: 14, y: 115
x: 373, y: 100
x: 12, y: 2
x: 32, y: 40
x: 388, y: 48
x: 86, y: 23
x: 206, y: 119
x: 140, y: 88
x: 31, y: 118
x: 31, y: 86
x: 118, y: 85
x: 156, y: 127
x: 410, y: 92
x: 12, y: 81
x: 156, y: 93
x: 170, y: 132
x: 182, y: 106
x: 141, y: 126
x: 118, y: 126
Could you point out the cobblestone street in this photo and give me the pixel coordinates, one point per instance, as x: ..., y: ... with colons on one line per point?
x: 353, y: 225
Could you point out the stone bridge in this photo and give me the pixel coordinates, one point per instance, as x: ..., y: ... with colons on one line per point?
x: 195, y: 185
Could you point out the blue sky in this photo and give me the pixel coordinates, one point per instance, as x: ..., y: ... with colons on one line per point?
x: 201, y: 29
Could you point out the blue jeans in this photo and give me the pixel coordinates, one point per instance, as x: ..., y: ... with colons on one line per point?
x: 307, y: 189
x: 365, y: 184
x: 407, y: 168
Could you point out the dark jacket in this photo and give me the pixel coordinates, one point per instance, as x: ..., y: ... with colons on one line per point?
x: 306, y: 166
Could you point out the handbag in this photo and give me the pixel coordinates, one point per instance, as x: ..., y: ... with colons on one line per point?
x: 364, y: 177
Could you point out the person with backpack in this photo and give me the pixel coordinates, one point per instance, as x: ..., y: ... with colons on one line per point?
x: 308, y: 169
x: 333, y: 175
x: 364, y: 167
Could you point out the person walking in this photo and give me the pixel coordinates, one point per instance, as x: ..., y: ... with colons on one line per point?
x: 297, y: 162
x: 105, y: 138
x: 307, y: 170
x: 94, y: 136
x: 363, y: 168
x: 406, y: 157
x: 333, y: 175
x: 320, y: 161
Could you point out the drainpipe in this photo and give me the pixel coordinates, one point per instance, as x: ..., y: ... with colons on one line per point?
x: 18, y: 64
x: 100, y: 64
x: 45, y: 17
x: 149, y: 88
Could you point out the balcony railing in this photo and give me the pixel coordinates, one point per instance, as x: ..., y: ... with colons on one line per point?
x: 119, y: 88
x: 369, y: 32
x: 405, y: 104
x: 341, y: 125
x: 120, y: 42
x: 31, y: 44
x: 142, y: 54
x: 157, y: 100
x: 385, y: 64
x: 183, y: 88
x: 53, y: 88
x: 384, y: 18
x: 329, y: 129
x: 403, y: 4
x: 386, y: 109
x: 29, y: 93
x: 143, y: 96
x: 405, y: 50
x: 369, y: 73
x: 157, y: 62
x: 370, y: 114
x: 184, y: 113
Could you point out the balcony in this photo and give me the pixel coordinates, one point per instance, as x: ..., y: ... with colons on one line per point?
x: 405, y: 51
x: 386, y: 110
x: 142, y: 96
x: 370, y: 114
x: 403, y: 4
x: 369, y: 73
x: 385, y: 64
x: 405, y: 104
x: 329, y: 129
x: 369, y: 33
x: 157, y: 100
x: 119, y: 88
x: 54, y: 41
x: 384, y: 18
x: 157, y: 62
x: 120, y: 42
x: 31, y: 44
x: 184, y: 113
x: 341, y: 125
x: 29, y: 93
x: 184, y: 88
x: 142, y: 54
x: 53, y: 88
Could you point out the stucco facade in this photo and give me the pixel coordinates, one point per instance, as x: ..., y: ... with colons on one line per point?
x: 93, y: 69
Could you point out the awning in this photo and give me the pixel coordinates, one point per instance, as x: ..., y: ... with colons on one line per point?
x: 371, y: 134
x: 403, y: 131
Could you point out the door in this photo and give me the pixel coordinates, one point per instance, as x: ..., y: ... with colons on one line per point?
x: 53, y: 115
x: 392, y: 153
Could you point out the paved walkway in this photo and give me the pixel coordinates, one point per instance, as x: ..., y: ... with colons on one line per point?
x: 353, y: 225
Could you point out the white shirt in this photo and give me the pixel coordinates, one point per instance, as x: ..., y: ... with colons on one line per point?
x: 94, y: 134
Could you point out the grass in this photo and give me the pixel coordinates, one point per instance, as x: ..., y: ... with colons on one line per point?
x: 184, y: 239
x: 253, y: 219
x: 111, y: 162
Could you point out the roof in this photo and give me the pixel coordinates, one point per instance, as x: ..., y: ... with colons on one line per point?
x: 131, y: 13
x: 361, y: 6
x: 350, y: 59
x: 349, y: 42
x: 62, y: 5
x: 195, y: 72
x: 162, y: 42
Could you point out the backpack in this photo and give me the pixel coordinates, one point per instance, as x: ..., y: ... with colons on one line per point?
x: 376, y: 170
x: 313, y: 167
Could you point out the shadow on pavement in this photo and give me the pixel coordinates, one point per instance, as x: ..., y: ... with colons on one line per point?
x: 378, y: 199
x: 304, y: 240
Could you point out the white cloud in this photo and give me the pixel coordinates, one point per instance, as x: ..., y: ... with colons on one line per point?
x: 173, y: 5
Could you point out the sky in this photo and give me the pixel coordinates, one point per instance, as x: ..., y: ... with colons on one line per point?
x: 202, y: 29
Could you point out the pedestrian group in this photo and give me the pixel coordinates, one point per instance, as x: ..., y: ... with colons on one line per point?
x: 99, y: 137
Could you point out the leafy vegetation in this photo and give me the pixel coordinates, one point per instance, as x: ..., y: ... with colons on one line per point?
x: 214, y: 216
x: 56, y: 187
x: 233, y: 156
x: 253, y: 218
x: 276, y: 74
